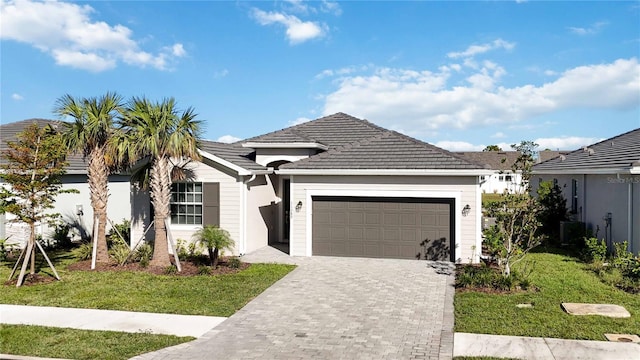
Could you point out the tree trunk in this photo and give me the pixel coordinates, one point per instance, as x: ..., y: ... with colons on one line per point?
x: 211, y: 257
x: 32, y: 255
x: 160, y: 187
x: 98, y: 179
x: 215, y: 258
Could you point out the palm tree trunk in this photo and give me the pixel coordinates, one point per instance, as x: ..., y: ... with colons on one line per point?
x: 160, y: 186
x: 98, y: 178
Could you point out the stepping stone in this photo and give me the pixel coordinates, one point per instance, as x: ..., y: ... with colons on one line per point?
x: 623, y: 337
x: 609, y: 310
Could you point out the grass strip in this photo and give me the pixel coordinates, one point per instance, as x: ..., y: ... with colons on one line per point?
x: 65, y: 343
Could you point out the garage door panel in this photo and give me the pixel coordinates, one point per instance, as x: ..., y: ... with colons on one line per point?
x: 382, y: 227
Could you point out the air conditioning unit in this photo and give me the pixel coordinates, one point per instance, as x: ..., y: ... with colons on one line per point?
x: 569, y: 230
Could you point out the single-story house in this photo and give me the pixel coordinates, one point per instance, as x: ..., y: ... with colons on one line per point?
x: 504, y: 179
x: 336, y: 186
x: 601, y: 183
x: 75, y: 208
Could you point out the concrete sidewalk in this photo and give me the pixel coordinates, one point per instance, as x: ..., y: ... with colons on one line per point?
x: 109, y: 320
x: 529, y: 348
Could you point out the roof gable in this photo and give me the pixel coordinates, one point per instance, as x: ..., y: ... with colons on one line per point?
x: 387, y: 150
x: 618, y: 153
x: 496, y: 160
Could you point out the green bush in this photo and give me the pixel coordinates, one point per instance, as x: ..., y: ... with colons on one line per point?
x: 143, y: 254
x: 234, y: 262
x: 594, y: 249
x: 170, y: 270
x: 3, y: 250
x: 120, y: 253
x: 484, y: 276
x: 204, y: 270
x: 60, y: 235
x: 124, y: 228
x: 84, y: 251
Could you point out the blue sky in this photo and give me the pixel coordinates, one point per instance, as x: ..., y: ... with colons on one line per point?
x: 460, y: 75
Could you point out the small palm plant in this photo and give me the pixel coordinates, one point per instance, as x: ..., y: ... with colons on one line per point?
x: 215, y: 239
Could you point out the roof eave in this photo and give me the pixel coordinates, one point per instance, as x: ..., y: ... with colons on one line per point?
x: 387, y: 172
x: 238, y: 169
x: 284, y: 145
x: 587, y: 171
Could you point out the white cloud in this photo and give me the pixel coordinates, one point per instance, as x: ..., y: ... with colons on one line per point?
x: 17, y: 97
x: 473, y: 50
x: 297, y: 31
x: 498, y: 135
x: 458, y: 146
x: 67, y: 32
x: 593, y: 29
x: 228, y: 139
x: 299, y: 121
x: 331, y: 7
x: 342, y: 71
x: 425, y: 101
x: 220, y: 74
x: 565, y: 142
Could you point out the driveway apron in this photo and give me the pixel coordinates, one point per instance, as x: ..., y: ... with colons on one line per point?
x: 338, y: 308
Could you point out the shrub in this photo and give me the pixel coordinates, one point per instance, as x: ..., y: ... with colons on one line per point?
x: 215, y: 240
x: 553, y: 210
x: 60, y: 235
x: 484, y: 276
x: 3, y: 250
x: 234, y: 262
x: 143, y: 254
x: 594, y: 249
x: 124, y: 229
x: 120, y: 253
x: 170, y: 270
x: 204, y: 270
x: 84, y: 251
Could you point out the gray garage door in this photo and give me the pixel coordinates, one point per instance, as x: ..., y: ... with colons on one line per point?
x: 401, y: 228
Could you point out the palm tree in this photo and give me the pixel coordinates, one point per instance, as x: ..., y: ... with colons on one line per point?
x: 214, y: 239
x: 90, y: 132
x: 157, y: 131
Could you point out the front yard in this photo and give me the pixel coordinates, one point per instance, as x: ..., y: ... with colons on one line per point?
x: 212, y: 295
x: 559, y: 278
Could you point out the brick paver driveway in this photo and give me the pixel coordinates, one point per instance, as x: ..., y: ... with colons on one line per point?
x: 339, y: 308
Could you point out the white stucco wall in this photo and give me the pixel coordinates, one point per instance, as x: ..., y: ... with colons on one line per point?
x: 266, y: 156
x: 66, y: 205
x: 493, y: 185
x: 230, y: 205
x: 261, y: 213
x: 599, y: 195
x: 465, y: 190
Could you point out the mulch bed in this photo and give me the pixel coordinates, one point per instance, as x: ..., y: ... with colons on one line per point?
x: 188, y: 268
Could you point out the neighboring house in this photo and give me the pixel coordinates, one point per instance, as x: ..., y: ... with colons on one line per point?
x: 75, y: 209
x: 545, y: 155
x: 601, y: 183
x: 336, y: 186
x: 503, y: 179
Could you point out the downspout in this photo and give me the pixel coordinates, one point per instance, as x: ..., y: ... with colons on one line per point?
x: 243, y: 202
x: 630, y: 219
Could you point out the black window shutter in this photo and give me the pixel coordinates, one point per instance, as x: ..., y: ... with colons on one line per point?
x: 211, y: 204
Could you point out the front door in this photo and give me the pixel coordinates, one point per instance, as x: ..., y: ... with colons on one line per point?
x: 286, y: 209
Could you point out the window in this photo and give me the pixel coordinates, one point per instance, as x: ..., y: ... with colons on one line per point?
x: 574, y: 196
x: 501, y: 178
x: 507, y: 178
x: 482, y: 177
x: 186, y: 203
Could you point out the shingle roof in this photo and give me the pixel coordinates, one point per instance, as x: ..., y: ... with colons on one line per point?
x: 333, y: 131
x: 9, y: 132
x: 234, y: 153
x: 545, y: 155
x: 496, y: 160
x: 618, y: 152
x: 386, y: 150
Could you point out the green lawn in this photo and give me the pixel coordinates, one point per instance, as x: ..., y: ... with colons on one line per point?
x: 220, y: 295
x: 80, y: 344
x: 560, y: 278
x: 490, y: 197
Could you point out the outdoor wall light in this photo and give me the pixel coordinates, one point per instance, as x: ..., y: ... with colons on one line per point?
x: 465, y: 210
x: 298, y: 206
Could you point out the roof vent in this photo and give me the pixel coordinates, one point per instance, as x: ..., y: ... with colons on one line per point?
x: 563, y: 158
x: 591, y: 152
x: 612, y: 144
x: 585, y: 149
